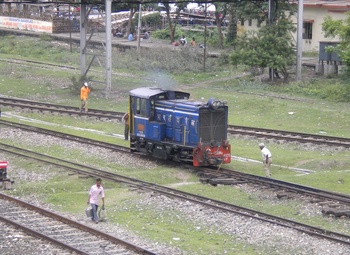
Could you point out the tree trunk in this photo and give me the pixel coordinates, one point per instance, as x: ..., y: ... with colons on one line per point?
x: 220, y: 36
x: 218, y: 27
x: 232, y: 28
x: 128, y: 27
x: 220, y: 15
x: 170, y: 23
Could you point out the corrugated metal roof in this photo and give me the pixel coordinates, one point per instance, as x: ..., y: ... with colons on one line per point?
x: 329, y: 4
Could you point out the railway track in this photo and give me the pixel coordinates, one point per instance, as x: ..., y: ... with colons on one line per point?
x: 63, y: 232
x: 333, y: 203
x: 61, y: 109
x: 184, y: 196
x: 35, y: 63
x: 16, y: 241
x: 290, y: 136
x: 208, y: 175
x: 75, y: 138
x: 232, y: 129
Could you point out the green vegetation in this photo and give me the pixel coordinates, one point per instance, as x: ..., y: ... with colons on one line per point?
x: 339, y: 29
x: 255, y: 51
x: 316, y: 105
x: 173, y: 227
x: 292, y: 209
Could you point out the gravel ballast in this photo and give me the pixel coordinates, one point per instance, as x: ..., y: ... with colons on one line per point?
x: 267, y: 238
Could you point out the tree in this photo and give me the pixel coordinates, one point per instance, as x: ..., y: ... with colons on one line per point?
x: 133, y: 8
x: 221, y: 10
x: 272, y: 46
x: 173, y: 22
x: 232, y: 24
x: 339, y: 29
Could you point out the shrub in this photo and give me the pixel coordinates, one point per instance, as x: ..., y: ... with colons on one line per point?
x: 182, y: 59
x: 46, y: 37
x: 77, y: 83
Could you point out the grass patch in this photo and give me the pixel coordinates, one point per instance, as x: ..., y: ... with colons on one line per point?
x: 251, y: 103
x: 326, y: 163
x: 174, y: 228
x: 291, y: 209
x: 74, y: 201
x: 317, y: 106
x: 283, y: 113
x: 163, y: 175
x: 94, y: 129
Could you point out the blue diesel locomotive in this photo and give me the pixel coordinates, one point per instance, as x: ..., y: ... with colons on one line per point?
x: 168, y: 125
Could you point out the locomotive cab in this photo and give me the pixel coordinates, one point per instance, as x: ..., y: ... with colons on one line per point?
x: 147, y: 128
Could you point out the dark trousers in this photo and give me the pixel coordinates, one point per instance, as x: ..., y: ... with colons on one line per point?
x: 126, y: 132
x: 94, y: 212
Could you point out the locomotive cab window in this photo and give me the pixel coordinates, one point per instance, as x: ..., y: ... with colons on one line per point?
x: 161, y: 97
x: 141, y: 107
x: 152, y: 110
x: 181, y: 95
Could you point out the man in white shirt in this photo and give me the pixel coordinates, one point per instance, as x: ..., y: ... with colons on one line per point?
x: 96, y: 192
x: 183, y: 40
x: 267, y: 159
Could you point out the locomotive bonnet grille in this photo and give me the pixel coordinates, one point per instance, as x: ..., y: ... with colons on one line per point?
x: 212, y: 125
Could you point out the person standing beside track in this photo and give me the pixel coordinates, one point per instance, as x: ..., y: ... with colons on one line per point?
x: 267, y: 159
x: 125, y: 119
x: 96, y: 192
x: 84, y: 95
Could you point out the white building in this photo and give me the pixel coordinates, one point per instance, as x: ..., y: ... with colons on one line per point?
x: 314, y: 13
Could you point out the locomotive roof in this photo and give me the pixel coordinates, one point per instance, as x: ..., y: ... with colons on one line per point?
x: 147, y: 92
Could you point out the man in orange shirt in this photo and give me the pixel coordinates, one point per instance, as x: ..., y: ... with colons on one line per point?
x: 84, y: 94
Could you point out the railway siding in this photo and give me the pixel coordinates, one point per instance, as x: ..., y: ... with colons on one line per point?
x: 242, y: 223
x: 211, y: 204
x: 341, y: 142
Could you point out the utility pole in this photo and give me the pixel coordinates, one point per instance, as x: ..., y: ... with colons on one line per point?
x: 139, y: 28
x: 83, y: 31
x: 205, y: 37
x: 108, y: 45
x: 270, y: 17
x: 299, y: 39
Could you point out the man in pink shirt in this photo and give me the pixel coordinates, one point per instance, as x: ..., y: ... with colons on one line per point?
x: 96, y: 192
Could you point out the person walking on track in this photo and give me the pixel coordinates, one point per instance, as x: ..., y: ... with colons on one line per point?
x: 84, y: 95
x: 267, y: 159
x: 96, y: 192
x: 126, y: 125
